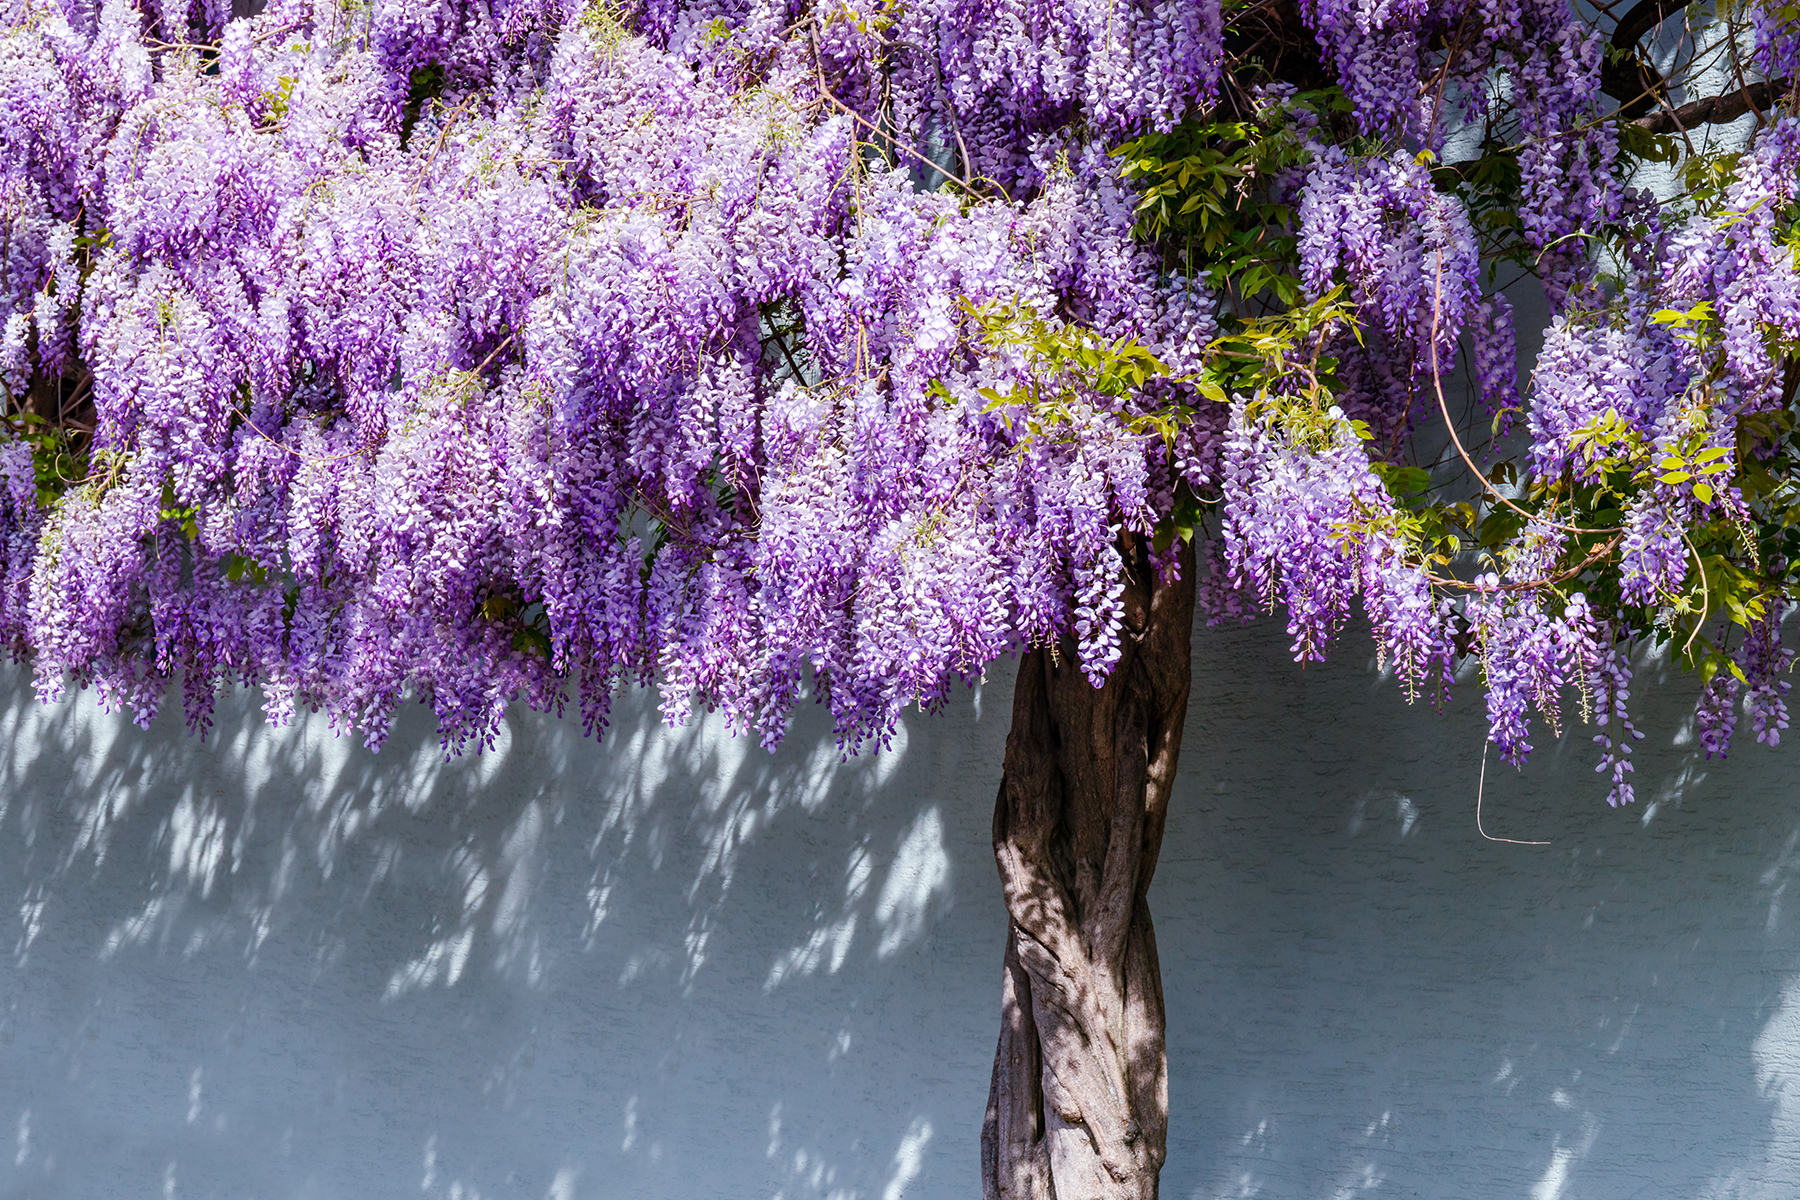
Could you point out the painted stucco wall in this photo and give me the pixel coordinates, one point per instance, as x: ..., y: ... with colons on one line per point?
x: 672, y: 966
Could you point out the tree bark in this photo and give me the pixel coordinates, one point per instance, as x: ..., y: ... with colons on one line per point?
x: 1079, y: 1104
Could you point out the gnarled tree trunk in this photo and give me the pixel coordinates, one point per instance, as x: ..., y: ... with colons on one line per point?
x: 1079, y: 1104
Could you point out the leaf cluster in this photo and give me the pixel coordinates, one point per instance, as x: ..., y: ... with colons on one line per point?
x: 1068, y: 374
x: 1217, y: 196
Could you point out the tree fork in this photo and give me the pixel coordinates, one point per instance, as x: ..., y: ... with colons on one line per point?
x: 1079, y: 1104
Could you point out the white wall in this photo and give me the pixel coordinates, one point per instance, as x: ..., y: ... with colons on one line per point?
x: 273, y: 965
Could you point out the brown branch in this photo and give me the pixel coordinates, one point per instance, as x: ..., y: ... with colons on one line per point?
x: 1523, y: 585
x: 1437, y: 382
x: 1642, y: 18
x: 1638, y: 85
x: 1718, y: 110
x: 826, y: 92
x: 497, y: 351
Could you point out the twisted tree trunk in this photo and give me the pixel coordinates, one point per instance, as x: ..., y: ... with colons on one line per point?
x: 1079, y: 1105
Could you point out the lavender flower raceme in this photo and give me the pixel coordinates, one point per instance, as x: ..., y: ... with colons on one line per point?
x: 472, y: 353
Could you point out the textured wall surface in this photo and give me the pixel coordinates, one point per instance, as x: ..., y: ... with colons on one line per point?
x: 672, y: 966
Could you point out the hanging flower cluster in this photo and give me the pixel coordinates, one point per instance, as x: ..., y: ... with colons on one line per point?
x: 1305, y: 522
x: 494, y: 409
x: 478, y: 352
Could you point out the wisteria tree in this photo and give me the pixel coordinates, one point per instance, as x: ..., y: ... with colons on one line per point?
x: 495, y: 351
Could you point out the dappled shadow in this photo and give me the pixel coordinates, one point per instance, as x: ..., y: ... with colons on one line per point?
x: 672, y: 966
x: 668, y: 964
x: 1368, y: 997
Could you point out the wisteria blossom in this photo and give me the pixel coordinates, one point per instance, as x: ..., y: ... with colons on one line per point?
x: 481, y: 353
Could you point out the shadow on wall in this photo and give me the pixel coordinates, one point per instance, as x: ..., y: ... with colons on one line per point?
x: 671, y: 966
x: 1376, y: 1000
x: 274, y: 964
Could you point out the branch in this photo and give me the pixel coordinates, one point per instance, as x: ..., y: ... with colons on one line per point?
x: 826, y: 92
x: 1523, y: 585
x: 1639, y: 86
x: 1437, y: 382
x: 1642, y: 18
x: 1718, y: 110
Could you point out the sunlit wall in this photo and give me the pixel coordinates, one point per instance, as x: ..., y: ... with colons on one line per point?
x: 670, y: 965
